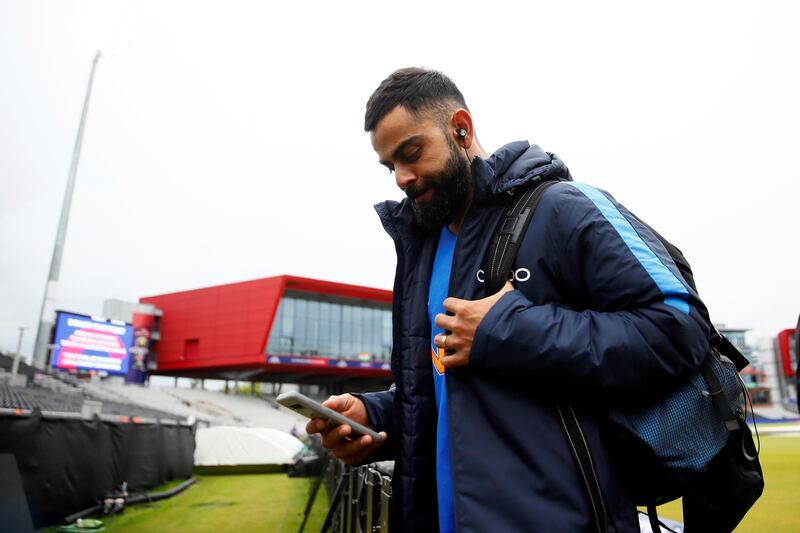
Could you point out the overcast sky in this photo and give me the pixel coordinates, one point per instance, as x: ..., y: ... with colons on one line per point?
x: 225, y: 143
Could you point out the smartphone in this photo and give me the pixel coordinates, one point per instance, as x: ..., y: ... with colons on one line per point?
x: 307, y: 407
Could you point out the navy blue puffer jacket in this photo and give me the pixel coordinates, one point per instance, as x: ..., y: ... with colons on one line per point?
x: 599, y: 312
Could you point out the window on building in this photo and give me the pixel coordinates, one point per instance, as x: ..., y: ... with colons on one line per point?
x: 310, y: 324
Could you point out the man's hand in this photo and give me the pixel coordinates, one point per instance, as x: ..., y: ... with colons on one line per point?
x: 337, y: 439
x: 462, y: 326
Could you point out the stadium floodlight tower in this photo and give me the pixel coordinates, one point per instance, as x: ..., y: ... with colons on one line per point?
x: 46, y: 321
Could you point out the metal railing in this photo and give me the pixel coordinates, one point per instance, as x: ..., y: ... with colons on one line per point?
x: 360, y: 499
x: 67, y: 415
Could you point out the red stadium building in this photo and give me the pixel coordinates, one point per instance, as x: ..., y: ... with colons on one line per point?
x: 787, y: 352
x: 279, y: 329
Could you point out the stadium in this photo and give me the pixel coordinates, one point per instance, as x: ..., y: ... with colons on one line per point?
x: 139, y: 405
x: 146, y: 356
x: 257, y: 337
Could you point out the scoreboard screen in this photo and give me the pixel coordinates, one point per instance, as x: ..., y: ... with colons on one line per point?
x: 88, y: 343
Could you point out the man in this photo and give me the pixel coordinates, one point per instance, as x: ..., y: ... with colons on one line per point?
x: 597, y: 311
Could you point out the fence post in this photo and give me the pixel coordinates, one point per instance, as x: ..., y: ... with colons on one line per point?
x: 386, y: 495
x: 348, y: 500
x: 369, y: 480
x: 347, y: 473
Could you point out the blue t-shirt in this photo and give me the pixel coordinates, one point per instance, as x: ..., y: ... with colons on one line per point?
x: 437, y: 293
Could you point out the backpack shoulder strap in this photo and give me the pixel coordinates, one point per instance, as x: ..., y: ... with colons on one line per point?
x: 509, y: 234
x: 716, y: 339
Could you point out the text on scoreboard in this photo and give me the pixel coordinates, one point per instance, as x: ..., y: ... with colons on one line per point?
x: 87, y: 343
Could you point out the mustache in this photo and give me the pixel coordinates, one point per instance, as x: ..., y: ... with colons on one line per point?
x: 413, y: 192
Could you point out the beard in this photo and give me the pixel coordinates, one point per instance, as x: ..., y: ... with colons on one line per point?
x: 450, y: 187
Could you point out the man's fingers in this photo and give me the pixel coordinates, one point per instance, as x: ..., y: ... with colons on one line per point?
x: 456, y: 359
x: 353, y: 447
x: 334, y: 436
x: 453, y: 304
x: 316, y: 425
x: 445, y: 322
x: 358, y: 450
x: 337, y: 403
x: 450, y: 344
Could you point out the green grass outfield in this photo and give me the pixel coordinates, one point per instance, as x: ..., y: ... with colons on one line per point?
x: 240, y: 503
x: 776, y: 510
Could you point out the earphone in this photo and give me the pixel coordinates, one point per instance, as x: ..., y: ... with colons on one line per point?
x: 462, y: 134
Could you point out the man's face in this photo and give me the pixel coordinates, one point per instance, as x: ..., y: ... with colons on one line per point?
x: 428, y: 165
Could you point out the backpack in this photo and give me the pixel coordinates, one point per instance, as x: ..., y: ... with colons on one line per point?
x: 692, y: 442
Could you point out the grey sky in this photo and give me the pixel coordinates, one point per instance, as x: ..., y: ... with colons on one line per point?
x: 225, y: 140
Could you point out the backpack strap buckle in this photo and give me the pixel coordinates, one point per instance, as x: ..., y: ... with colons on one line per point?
x: 514, y: 226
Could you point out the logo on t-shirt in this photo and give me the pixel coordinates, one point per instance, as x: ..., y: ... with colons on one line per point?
x: 436, y: 356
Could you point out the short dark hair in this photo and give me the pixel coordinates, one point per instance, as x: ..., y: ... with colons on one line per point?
x: 417, y: 89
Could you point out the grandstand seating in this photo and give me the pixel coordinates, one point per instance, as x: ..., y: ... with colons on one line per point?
x: 152, y: 398
x: 255, y: 411
x: 56, y: 391
x: 214, y: 407
x: 6, y: 362
x: 70, y: 402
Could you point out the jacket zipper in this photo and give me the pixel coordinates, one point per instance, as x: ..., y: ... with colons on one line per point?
x: 447, y: 381
x: 458, y: 247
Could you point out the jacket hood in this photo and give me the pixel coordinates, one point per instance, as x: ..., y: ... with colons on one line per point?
x: 514, y: 164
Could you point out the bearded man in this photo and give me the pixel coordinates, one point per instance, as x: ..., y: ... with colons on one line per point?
x: 596, y: 309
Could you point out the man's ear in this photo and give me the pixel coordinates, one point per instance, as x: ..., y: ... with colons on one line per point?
x: 461, y: 119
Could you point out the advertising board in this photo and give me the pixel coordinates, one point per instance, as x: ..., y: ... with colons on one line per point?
x: 87, y: 343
